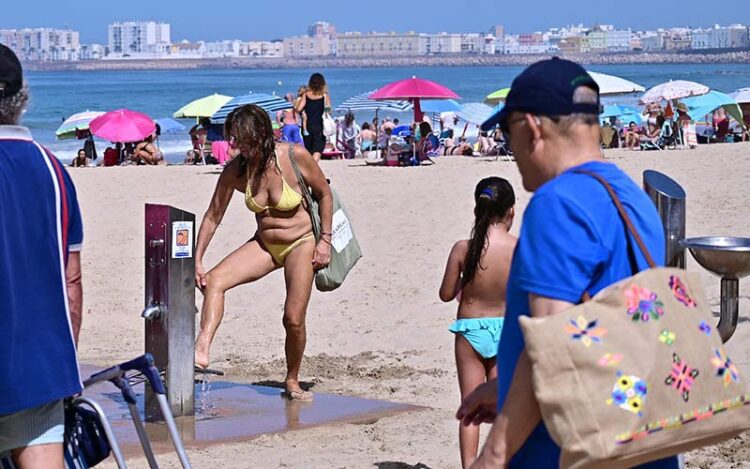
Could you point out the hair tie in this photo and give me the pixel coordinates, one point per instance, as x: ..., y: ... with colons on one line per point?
x: 488, y: 192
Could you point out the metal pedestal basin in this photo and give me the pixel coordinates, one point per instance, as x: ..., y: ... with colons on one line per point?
x: 728, y: 258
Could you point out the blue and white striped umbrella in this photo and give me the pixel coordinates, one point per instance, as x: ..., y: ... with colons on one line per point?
x: 362, y: 102
x: 439, y: 105
x: 475, y: 113
x: 268, y: 102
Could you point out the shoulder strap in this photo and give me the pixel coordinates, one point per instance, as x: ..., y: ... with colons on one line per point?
x: 301, y: 180
x: 623, y: 215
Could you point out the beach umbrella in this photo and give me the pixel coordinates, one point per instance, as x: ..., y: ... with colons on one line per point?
x: 79, y: 121
x: 362, y: 102
x: 704, y: 105
x: 670, y: 90
x: 169, y: 126
x: 626, y: 114
x: 497, y: 96
x: 203, y: 107
x: 474, y: 113
x: 612, y: 85
x: 123, y: 126
x: 415, y: 90
x: 742, y: 95
x: 270, y: 103
x: 441, y: 105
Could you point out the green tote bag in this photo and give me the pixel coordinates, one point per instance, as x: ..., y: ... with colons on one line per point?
x: 345, y: 250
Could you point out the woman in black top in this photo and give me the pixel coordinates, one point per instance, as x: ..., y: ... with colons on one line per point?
x: 314, y: 103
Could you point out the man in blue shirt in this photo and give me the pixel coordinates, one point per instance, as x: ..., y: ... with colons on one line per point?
x: 572, y: 242
x: 40, y: 293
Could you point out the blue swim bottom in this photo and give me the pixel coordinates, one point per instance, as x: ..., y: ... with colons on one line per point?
x: 482, y: 333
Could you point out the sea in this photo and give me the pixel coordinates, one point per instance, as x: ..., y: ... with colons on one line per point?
x: 57, y: 95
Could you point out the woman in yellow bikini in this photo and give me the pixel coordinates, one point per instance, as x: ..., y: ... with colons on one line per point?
x: 264, y: 174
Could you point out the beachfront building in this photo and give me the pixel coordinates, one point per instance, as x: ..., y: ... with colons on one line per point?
x: 527, y: 44
x: 307, y: 46
x: 139, y: 38
x: 381, y: 44
x: 652, y: 41
x: 42, y: 44
x: 678, y: 39
x: 443, y: 43
x: 220, y: 49
x: 717, y: 37
x: 92, y: 51
x: 498, y: 31
x: 262, y: 49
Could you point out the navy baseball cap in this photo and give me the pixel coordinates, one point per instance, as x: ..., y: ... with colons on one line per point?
x: 11, y: 74
x: 549, y: 88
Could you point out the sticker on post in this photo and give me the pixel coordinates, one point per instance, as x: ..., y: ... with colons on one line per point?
x: 342, y: 231
x: 182, y: 239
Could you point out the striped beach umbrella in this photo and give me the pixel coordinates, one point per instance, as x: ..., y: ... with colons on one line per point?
x: 203, y: 107
x: 268, y: 102
x: 474, y: 113
x: 75, y: 122
x: 362, y: 102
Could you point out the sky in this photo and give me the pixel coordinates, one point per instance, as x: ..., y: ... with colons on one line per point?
x: 273, y: 19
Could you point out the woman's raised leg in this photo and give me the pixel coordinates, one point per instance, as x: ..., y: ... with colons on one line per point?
x: 248, y: 263
x: 298, y: 274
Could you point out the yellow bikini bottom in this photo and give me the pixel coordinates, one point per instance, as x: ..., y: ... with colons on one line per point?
x: 280, y: 251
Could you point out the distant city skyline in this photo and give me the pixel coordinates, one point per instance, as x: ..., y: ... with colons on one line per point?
x: 237, y: 19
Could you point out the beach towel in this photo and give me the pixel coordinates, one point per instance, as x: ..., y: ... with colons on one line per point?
x: 638, y: 373
x: 220, y: 151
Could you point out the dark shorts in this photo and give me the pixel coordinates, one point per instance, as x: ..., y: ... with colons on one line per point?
x: 315, y: 142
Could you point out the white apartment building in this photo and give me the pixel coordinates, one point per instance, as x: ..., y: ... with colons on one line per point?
x: 731, y: 37
x: 139, y: 38
x: 381, y: 45
x: 443, y: 43
x: 219, y: 49
x: 618, y: 40
x: 265, y: 49
x: 44, y: 44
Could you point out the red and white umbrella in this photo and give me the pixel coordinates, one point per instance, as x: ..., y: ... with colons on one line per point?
x: 414, y: 89
x: 676, y: 89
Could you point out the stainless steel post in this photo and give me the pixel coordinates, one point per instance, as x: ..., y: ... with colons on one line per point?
x: 170, y: 306
x: 730, y: 307
x: 669, y: 198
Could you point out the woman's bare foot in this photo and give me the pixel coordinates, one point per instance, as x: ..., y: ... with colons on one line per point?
x: 294, y: 392
x: 201, y: 355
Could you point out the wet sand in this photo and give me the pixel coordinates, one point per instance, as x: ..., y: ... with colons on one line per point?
x: 384, y: 333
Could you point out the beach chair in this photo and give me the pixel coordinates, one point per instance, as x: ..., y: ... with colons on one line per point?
x: 668, y: 138
x: 89, y: 438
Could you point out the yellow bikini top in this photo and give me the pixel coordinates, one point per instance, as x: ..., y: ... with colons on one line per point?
x: 288, y: 201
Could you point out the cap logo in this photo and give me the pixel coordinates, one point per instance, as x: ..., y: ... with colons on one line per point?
x: 581, y: 79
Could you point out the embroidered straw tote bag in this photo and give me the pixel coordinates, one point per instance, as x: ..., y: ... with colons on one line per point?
x: 345, y: 250
x: 636, y: 374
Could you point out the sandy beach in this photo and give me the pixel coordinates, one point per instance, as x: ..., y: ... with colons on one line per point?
x: 384, y: 333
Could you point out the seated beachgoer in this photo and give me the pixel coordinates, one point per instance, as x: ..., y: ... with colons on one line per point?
x: 112, y: 155
x: 632, y: 136
x: 366, y: 138
x: 80, y: 161
x: 148, y: 153
x: 192, y: 157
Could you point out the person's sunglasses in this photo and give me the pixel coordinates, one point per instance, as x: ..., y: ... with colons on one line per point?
x: 505, y: 127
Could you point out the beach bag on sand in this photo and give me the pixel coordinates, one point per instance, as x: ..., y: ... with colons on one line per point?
x: 636, y: 374
x: 329, y: 125
x: 345, y: 250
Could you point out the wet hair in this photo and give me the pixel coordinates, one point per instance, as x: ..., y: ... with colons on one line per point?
x: 79, y: 153
x: 348, y: 118
x: 365, y: 126
x: 493, y: 197
x: 425, y: 129
x: 317, y: 83
x: 467, y: 151
x: 250, y: 126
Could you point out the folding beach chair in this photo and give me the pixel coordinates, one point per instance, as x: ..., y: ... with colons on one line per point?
x: 89, y: 438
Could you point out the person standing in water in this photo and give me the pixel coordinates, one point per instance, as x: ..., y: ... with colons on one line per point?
x: 476, y: 274
x: 314, y: 103
x: 263, y: 173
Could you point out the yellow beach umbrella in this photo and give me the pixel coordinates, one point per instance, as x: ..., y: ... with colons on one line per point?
x: 203, y: 107
x: 497, y: 96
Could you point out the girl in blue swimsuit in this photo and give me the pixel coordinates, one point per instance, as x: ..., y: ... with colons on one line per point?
x: 476, y: 275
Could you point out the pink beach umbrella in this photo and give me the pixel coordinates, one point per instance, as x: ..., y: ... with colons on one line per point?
x: 123, y: 126
x: 414, y: 89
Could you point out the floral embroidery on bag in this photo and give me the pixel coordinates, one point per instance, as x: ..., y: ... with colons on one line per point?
x: 667, y: 337
x: 610, y: 359
x: 584, y: 331
x: 725, y: 368
x: 705, y: 327
x: 643, y: 304
x: 629, y: 393
x: 682, y: 377
x: 680, y: 292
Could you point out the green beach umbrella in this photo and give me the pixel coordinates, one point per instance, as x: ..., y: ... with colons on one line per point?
x: 203, y: 107
x: 497, y: 96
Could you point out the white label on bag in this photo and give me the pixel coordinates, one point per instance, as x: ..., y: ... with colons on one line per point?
x: 342, y: 231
